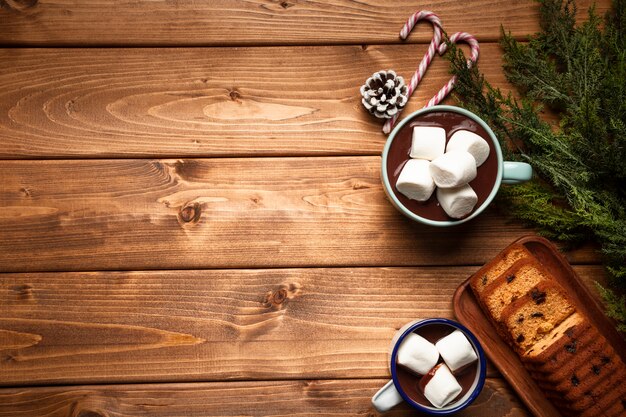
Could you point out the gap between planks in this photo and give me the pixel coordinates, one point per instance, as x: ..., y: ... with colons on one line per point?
x: 41, y: 22
x: 313, y: 397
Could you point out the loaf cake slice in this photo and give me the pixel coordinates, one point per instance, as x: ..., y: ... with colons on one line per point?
x: 536, y: 313
x: 608, y: 392
x: 575, y: 366
x: 594, y: 355
x: 511, y: 285
x: 618, y: 409
x: 586, y: 376
x: 612, y: 403
x: 560, y: 344
x: 490, y: 272
x: 582, y: 374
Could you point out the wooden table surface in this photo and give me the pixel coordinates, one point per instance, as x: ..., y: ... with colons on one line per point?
x: 191, y: 216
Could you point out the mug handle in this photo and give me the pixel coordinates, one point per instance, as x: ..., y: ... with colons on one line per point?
x: 516, y: 172
x: 386, y: 398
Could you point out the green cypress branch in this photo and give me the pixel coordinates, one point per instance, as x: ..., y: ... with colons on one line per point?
x: 578, y: 72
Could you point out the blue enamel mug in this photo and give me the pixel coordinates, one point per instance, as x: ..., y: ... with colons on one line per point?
x: 392, y: 393
x: 508, y: 172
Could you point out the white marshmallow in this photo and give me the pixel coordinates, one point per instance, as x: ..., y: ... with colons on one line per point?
x: 457, y: 202
x: 417, y: 354
x: 442, y: 387
x: 428, y: 142
x: 464, y: 140
x: 453, y: 169
x: 456, y: 350
x: 415, y: 181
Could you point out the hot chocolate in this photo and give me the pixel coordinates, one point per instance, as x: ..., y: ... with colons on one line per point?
x: 410, y: 381
x: 452, y: 122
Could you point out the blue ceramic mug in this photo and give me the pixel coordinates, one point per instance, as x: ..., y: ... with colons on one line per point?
x: 507, y: 173
x: 392, y: 393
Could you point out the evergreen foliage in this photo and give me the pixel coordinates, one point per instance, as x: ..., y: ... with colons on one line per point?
x: 578, y: 74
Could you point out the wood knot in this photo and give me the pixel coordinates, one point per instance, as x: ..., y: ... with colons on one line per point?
x: 26, y: 191
x: 190, y: 213
x: 234, y: 95
x: 69, y: 107
x: 278, y: 298
x: 18, y: 5
x: 285, y: 4
x: 23, y: 292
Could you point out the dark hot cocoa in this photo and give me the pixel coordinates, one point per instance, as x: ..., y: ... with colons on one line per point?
x: 399, y: 150
x: 410, y: 382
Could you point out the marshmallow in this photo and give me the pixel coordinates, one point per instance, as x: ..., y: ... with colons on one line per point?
x: 456, y: 350
x: 442, y: 387
x: 453, y: 169
x: 457, y: 202
x: 464, y: 140
x: 428, y: 142
x: 415, y: 181
x: 417, y: 354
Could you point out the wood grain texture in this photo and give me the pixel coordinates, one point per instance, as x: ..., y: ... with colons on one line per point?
x: 116, y: 103
x: 283, y: 339
x: 223, y: 22
x: 74, y: 328
x: 279, y: 398
x: 224, y: 213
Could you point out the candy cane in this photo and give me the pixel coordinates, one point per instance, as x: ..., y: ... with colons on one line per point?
x: 432, y: 48
x: 474, y: 48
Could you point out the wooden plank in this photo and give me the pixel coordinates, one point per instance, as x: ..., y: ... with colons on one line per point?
x: 252, y: 22
x: 116, y: 103
x: 112, y: 327
x: 224, y: 213
x: 279, y: 398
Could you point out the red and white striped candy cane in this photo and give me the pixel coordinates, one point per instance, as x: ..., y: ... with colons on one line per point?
x: 474, y: 48
x: 428, y: 57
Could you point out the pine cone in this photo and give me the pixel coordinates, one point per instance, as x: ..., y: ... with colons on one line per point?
x: 384, y: 94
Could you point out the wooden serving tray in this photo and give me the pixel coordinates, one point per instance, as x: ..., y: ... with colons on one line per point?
x: 469, y: 313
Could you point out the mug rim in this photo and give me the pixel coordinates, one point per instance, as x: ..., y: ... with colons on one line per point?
x: 441, y: 223
x: 481, y: 375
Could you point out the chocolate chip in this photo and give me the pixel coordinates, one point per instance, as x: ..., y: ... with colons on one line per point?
x: 539, y: 297
x: 520, y: 319
x: 484, y: 280
x: 575, y: 381
x: 510, y: 278
x: 571, y: 347
x: 624, y: 404
x: 596, y: 369
x: 520, y: 338
x: 605, y: 360
x: 536, y: 314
